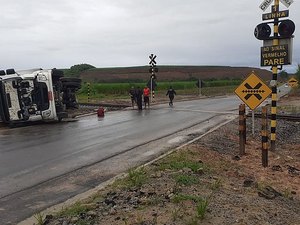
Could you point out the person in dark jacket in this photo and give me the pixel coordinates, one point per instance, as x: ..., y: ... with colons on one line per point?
x: 171, y: 92
x: 132, y: 96
x: 139, y: 98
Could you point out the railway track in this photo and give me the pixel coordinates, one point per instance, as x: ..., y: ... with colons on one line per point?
x: 282, y: 117
x: 93, y: 105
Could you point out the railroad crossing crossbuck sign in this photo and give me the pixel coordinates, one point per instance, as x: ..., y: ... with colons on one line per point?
x: 253, y: 91
x: 153, y: 69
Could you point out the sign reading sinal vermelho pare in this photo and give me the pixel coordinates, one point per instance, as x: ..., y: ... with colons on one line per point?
x: 275, y: 55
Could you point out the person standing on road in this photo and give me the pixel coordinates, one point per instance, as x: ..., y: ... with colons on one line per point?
x: 146, y: 93
x: 139, y: 98
x: 132, y: 92
x: 171, y: 92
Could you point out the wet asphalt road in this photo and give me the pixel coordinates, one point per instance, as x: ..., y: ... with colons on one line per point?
x: 31, y: 156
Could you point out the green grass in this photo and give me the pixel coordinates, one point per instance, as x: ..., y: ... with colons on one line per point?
x: 201, y: 208
x: 186, y: 179
x: 74, y: 210
x: 136, y: 177
x: 183, y: 197
x: 201, y: 203
x: 39, y: 218
x: 100, y: 91
x: 180, y: 161
x: 216, y: 184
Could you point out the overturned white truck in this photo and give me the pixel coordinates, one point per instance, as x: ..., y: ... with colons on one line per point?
x: 36, y: 95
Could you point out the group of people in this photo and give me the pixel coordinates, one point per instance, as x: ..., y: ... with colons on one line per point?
x: 137, y: 94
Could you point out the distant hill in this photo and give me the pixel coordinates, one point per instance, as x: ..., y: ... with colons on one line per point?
x: 171, y: 73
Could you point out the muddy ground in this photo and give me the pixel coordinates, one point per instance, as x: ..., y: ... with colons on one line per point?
x: 206, y: 182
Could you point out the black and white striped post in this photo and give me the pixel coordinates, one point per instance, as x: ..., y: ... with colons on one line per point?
x: 153, y: 69
x: 264, y: 136
x: 274, y: 77
x: 276, y: 50
x: 242, y: 128
x: 88, y: 89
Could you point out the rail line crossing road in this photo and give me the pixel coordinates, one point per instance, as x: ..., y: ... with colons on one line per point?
x: 253, y: 91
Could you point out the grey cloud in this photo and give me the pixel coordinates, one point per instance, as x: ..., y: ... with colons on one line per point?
x: 61, y: 33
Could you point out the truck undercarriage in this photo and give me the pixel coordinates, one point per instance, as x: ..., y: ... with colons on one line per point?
x: 41, y: 95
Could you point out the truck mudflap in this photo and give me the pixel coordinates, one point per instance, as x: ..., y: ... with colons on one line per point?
x: 4, y: 113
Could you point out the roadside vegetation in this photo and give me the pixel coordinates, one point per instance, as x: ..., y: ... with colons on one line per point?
x: 100, y: 91
x: 94, y: 91
x: 142, y: 189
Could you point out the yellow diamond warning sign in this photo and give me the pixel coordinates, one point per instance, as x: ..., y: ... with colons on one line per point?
x: 293, y: 82
x: 253, y: 91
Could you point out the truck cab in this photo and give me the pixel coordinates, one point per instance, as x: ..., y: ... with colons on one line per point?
x: 36, y: 95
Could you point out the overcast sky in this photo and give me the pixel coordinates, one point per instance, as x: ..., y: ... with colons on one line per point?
x: 114, y: 33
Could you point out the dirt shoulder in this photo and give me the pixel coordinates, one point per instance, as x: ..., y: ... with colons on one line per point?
x: 206, y: 182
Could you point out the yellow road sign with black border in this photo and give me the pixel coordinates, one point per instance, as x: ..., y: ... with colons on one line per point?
x: 293, y: 82
x: 253, y: 91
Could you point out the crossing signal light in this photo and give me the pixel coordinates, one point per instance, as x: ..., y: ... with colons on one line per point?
x: 286, y: 28
x: 262, y: 31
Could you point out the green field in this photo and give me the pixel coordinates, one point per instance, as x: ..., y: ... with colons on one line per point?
x: 100, y: 91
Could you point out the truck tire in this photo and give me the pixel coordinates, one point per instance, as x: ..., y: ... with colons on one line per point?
x: 69, y: 82
x: 72, y: 85
x: 10, y: 71
x: 70, y: 79
x: 57, y: 75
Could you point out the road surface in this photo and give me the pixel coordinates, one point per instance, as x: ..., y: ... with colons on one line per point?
x: 45, y: 164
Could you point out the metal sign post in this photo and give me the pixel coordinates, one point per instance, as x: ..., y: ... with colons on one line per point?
x: 153, y: 69
x: 151, y: 88
x: 274, y: 88
x: 279, y: 52
x: 264, y: 135
x: 88, y: 87
x: 253, y: 122
x: 199, y: 84
x: 253, y: 91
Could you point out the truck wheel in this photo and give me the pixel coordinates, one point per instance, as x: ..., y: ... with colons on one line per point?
x: 56, y: 75
x: 70, y: 79
x: 72, y: 85
x: 10, y: 71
